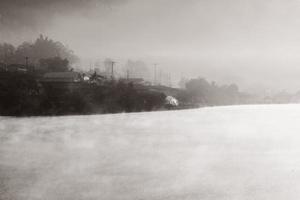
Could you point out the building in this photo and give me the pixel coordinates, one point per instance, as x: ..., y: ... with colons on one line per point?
x: 62, y: 77
x: 16, y: 68
x: 61, y: 81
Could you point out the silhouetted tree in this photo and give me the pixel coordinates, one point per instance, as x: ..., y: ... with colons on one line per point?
x: 7, y: 53
x: 200, y: 91
x: 42, y: 48
x: 182, y: 82
x: 19, y: 94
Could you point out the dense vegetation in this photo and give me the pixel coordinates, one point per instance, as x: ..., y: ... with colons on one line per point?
x: 41, y: 48
x: 21, y: 94
x: 202, y: 93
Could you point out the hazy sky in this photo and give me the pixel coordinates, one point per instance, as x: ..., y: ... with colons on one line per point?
x: 255, y: 43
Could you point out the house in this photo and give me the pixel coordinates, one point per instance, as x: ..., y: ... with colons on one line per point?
x: 16, y: 68
x: 61, y: 81
x: 62, y: 77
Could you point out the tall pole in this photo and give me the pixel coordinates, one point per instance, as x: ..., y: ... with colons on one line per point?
x: 112, y: 69
x: 155, y: 76
x: 160, y: 78
x: 26, y: 62
x: 5, y: 60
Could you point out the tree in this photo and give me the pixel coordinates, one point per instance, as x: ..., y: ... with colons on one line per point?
x: 182, y: 82
x: 42, y: 48
x: 46, y: 48
x: 201, y: 91
x: 7, y: 53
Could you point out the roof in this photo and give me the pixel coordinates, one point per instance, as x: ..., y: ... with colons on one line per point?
x: 61, y: 76
x: 16, y: 67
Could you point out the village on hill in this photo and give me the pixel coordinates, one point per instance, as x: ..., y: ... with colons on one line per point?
x: 45, y: 78
x: 38, y: 79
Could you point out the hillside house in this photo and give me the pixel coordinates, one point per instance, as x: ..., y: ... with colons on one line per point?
x: 16, y: 68
x: 62, y: 77
x: 61, y: 80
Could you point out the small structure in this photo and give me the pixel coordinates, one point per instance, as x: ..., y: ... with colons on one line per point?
x: 171, y: 102
x: 86, y: 78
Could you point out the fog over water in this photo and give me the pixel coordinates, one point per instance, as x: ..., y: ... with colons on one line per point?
x: 253, y: 43
x: 225, y: 152
x: 233, y: 152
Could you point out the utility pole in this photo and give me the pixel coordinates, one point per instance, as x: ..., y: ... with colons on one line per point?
x: 127, y: 74
x: 155, y: 77
x: 26, y: 62
x: 112, y: 69
x: 5, y: 60
x: 160, y: 77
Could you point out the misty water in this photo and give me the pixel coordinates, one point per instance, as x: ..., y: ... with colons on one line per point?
x: 234, y: 152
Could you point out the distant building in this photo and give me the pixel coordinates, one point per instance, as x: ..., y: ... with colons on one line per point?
x: 16, y: 68
x: 61, y: 81
x: 62, y: 77
x: 19, y: 68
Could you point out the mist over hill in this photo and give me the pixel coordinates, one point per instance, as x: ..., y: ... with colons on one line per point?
x: 254, y: 44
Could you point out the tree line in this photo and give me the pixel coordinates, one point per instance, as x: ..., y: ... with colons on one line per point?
x: 35, y: 52
x: 200, y: 92
x: 22, y: 95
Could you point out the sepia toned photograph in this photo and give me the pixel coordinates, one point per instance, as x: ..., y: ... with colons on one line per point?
x: 149, y: 99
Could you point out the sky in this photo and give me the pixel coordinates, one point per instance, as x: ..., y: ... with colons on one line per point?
x: 253, y: 43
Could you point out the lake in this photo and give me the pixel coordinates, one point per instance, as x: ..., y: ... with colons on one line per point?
x: 231, y: 152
